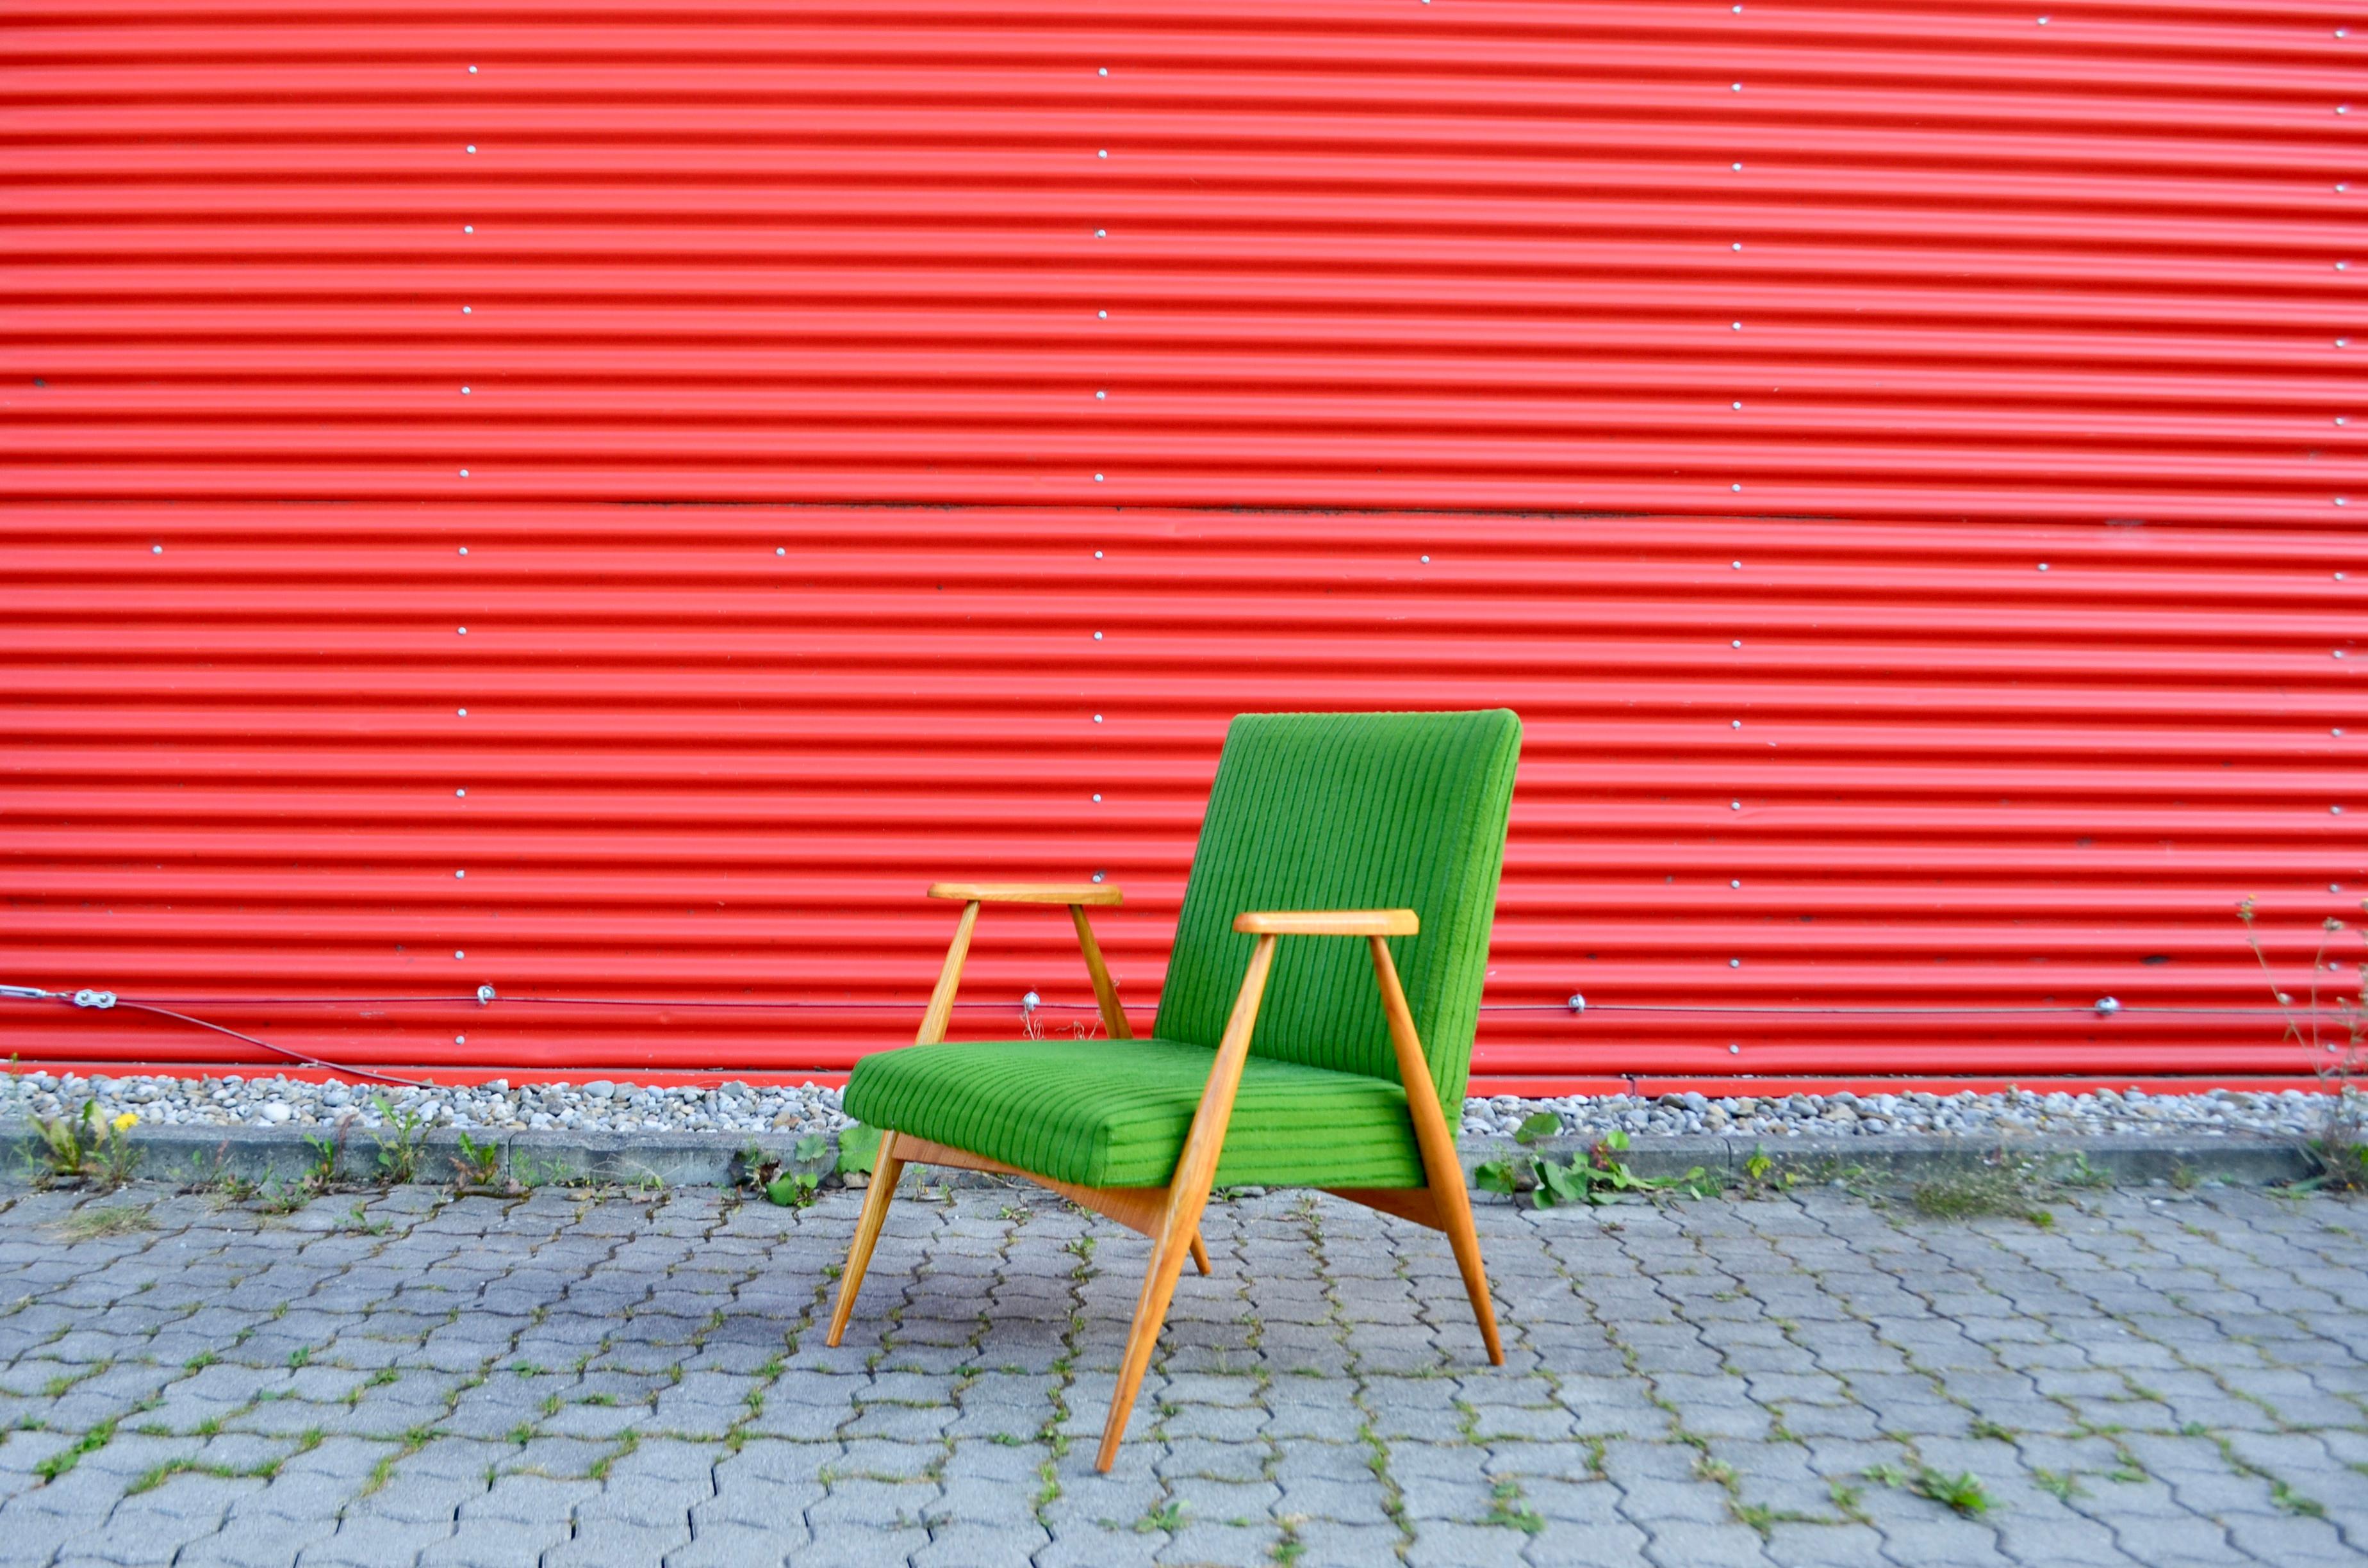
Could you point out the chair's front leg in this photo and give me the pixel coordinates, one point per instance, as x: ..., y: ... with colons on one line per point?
x: 1188, y: 1194
x: 1441, y: 1166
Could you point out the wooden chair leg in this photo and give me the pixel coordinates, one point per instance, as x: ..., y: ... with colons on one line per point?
x: 1200, y: 1254
x: 1440, y: 1164
x: 1454, y: 1203
x: 885, y: 1168
x: 1150, y: 1316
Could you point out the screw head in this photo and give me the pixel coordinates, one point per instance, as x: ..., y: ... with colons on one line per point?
x: 1577, y: 1002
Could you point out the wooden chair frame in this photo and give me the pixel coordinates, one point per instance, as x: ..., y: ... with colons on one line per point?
x: 1170, y: 1215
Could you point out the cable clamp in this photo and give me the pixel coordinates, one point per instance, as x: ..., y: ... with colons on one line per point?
x: 88, y: 998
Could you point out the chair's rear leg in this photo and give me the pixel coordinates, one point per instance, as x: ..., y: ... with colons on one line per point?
x: 1199, y: 1252
x: 885, y: 1169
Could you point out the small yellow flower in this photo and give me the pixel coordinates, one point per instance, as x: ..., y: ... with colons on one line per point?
x: 125, y: 1122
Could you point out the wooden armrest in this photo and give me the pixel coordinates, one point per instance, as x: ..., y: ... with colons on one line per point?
x: 1027, y: 892
x: 1329, y: 923
x: 1077, y: 895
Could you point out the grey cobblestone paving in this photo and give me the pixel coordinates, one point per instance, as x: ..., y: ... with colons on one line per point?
x: 571, y: 1379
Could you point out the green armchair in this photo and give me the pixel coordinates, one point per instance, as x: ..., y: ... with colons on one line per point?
x: 1281, y: 1056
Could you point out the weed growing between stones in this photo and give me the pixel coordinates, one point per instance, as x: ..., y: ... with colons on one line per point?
x: 1509, y: 1506
x: 399, y: 1145
x: 2334, y: 1025
x: 66, y: 1459
x: 98, y: 1223
x: 1597, y: 1179
x: 1962, y: 1493
x: 326, y: 1152
x: 2002, y: 1185
x: 478, y: 1164
x: 789, y: 1187
x: 82, y: 1148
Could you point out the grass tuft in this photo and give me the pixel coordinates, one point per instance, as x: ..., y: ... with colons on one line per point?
x: 100, y: 1222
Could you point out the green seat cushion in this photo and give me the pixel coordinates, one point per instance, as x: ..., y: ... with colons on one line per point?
x: 1114, y: 1113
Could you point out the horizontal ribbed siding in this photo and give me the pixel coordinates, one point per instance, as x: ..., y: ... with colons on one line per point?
x: 790, y: 510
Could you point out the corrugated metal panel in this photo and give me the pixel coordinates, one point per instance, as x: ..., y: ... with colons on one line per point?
x: 1893, y: 456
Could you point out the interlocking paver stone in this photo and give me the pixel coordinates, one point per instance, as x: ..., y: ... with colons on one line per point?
x: 578, y: 1378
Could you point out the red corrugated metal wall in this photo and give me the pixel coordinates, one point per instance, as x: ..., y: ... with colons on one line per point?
x: 705, y: 472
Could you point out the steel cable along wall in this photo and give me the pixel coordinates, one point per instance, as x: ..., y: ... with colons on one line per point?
x: 1893, y: 458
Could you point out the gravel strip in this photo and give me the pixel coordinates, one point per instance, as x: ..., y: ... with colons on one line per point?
x: 601, y: 1106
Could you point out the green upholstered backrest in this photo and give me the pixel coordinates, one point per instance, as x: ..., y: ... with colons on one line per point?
x: 1348, y: 811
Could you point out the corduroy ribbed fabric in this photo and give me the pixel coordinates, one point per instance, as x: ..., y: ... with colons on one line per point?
x: 1114, y: 1113
x: 1309, y: 810
x: 1348, y: 811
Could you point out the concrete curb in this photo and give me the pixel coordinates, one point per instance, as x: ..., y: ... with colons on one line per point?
x: 199, y: 1155
x: 1895, y: 1159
